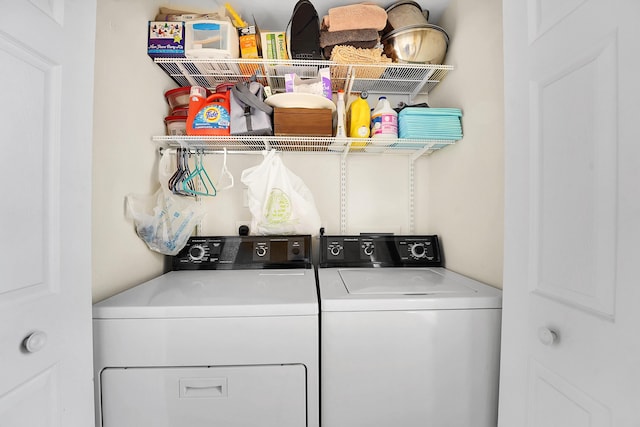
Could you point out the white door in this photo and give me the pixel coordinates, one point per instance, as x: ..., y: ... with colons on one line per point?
x: 571, y: 320
x: 46, y: 99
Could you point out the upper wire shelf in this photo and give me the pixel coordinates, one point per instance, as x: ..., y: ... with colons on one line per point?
x: 391, y: 78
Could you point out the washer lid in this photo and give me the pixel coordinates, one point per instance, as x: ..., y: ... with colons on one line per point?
x: 401, y: 281
x: 370, y: 289
x: 216, y: 293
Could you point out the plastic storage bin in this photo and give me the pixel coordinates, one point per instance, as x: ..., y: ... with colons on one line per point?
x: 211, y: 39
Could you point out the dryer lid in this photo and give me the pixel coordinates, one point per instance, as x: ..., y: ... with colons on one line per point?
x: 216, y: 293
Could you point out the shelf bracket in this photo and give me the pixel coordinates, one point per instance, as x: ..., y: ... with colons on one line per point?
x: 419, y: 86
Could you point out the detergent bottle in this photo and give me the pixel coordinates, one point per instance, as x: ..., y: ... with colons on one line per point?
x: 384, y: 126
x: 359, y: 120
x: 208, y: 116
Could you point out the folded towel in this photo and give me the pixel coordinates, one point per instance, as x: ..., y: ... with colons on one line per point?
x: 355, y: 17
x: 364, y: 38
x: 351, y: 55
x: 327, y: 50
x: 329, y: 38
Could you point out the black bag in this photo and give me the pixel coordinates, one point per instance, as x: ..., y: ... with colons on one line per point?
x: 304, y: 38
x: 249, y: 114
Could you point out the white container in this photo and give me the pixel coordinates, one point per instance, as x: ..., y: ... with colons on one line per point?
x: 340, y: 107
x: 211, y: 39
x: 384, y: 126
x: 341, y: 131
x: 176, y: 125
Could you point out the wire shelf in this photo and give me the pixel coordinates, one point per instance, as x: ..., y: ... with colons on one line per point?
x: 393, y: 78
x: 306, y: 144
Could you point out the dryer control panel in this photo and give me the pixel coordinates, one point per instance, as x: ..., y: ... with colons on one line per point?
x: 383, y: 250
x: 244, y: 252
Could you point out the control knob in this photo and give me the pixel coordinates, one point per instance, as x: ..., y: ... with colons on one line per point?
x: 261, y: 251
x: 335, y: 250
x: 368, y: 249
x: 418, y: 250
x: 196, y: 253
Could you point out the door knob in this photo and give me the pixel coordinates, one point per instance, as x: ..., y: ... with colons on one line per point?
x: 547, y: 336
x: 35, y: 341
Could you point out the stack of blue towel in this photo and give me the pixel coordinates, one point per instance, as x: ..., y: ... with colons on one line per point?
x: 430, y: 123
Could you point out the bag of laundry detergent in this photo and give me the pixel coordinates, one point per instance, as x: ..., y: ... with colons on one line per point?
x: 279, y: 201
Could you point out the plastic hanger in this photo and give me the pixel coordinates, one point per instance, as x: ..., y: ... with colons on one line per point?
x: 176, y: 181
x: 225, y: 172
x: 201, y: 173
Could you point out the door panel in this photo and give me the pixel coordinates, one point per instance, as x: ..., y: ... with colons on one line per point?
x: 46, y: 82
x: 17, y: 408
x: 52, y: 8
x: 205, y: 396
x: 555, y: 402
x: 30, y: 218
x: 544, y: 14
x: 572, y: 215
x: 573, y: 180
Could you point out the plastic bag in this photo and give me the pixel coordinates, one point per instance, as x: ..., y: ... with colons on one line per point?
x: 164, y: 221
x: 280, y: 203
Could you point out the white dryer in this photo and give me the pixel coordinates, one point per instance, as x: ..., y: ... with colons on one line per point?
x: 229, y: 338
x: 404, y: 341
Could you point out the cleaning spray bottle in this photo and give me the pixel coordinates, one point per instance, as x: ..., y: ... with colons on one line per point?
x: 359, y: 120
x: 341, y: 130
x: 208, y: 116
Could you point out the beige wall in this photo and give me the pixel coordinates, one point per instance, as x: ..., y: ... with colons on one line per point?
x: 458, y: 190
x: 465, y: 197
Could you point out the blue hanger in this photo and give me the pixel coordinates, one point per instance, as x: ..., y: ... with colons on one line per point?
x: 201, y: 173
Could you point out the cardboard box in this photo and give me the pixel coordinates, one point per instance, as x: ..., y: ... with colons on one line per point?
x: 249, y: 42
x: 165, y: 39
x: 274, y: 45
x: 302, y: 122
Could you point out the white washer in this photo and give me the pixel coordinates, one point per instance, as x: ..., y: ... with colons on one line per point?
x: 232, y: 343
x: 404, y: 342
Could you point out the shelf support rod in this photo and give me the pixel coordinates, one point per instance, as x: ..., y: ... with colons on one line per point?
x: 411, y: 195
x: 412, y: 186
x: 343, y: 193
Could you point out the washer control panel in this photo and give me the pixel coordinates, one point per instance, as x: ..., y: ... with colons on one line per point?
x: 382, y: 250
x: 242, y: 252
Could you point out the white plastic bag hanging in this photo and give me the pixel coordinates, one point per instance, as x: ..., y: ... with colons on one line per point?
x: 164, y: 221
x: 279, y: 201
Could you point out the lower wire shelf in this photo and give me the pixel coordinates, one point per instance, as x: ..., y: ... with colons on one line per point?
x: 303, y: 144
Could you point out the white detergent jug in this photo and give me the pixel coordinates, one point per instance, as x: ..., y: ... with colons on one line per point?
x: 384, y: 126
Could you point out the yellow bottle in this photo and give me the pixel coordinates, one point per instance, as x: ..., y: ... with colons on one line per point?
x: 359, y: 120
